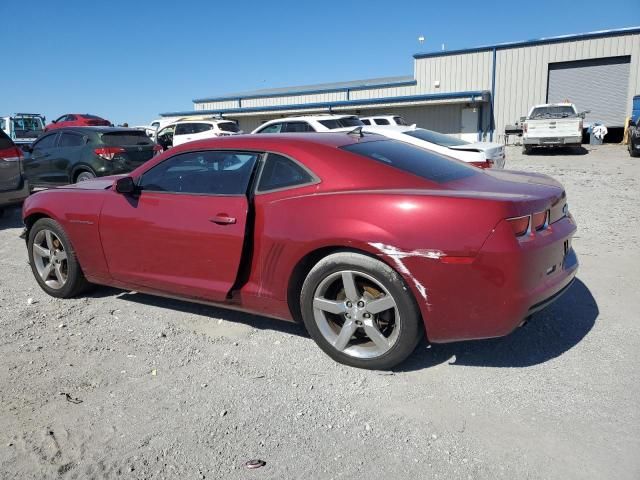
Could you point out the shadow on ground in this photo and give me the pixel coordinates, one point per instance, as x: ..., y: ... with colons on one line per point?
x: 549, y: 334
x: 542, y: 151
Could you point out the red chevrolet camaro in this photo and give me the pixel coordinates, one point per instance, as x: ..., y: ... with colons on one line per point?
x: 370, y: 242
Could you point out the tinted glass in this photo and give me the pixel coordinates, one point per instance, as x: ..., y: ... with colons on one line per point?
x: 411, y: 159
x: 70, y: 140
x: 333, y: 123
x: 201, y: 127
x: 134, y: 137
x: 435, y: 137
x: 184, y: 128
x: 366, y: 121
x: 275, y: 128
x: 280, y: 172
x: 92, y: 117
x: 296, y: 127
x: 382, y: 121
x: 5, y: 141
x: 228, y: 127
x: 399, y: 121
x: 204, y: 173
x: 553, y: 112
x: 45, y: 142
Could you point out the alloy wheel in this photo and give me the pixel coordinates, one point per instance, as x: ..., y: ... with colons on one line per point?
x: 50, y: 259
x: 356, y: 314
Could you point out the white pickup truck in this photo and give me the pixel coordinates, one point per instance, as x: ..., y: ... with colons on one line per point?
x: 552, y: 125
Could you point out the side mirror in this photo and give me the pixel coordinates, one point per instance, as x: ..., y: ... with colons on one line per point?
x: 125, y: 185
x: 27, y: 148
x: 522, y: 119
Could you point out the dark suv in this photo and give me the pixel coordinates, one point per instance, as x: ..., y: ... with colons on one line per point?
x: 13, y: 187
x: 74, y: 154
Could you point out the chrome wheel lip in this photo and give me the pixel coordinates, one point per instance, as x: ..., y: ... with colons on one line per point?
x: 355, y: 309
x: 50, y: 259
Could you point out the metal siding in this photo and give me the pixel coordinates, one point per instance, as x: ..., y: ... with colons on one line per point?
x: 440, y: 118
x: 294, y: 99
x: 599, y: 86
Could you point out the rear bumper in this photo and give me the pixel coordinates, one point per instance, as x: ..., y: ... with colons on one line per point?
x: 14, y: 197
x: 553, y: 141
x: 509, y: 280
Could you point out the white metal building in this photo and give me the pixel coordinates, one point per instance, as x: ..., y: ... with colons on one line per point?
x: 473, y: 93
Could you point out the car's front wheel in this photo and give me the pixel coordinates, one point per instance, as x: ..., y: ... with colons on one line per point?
x: 53, y: 261
x: 360, y: 311
x: 84, y: 176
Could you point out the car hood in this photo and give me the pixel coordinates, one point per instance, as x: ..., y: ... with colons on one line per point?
x: 101, y: 183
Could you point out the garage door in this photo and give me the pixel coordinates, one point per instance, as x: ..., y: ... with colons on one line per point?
x: 599, y: 85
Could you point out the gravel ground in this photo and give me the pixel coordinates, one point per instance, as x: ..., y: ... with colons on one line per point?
x: 124, y: 385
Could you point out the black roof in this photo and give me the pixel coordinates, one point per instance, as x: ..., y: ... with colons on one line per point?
x: 97, y: 129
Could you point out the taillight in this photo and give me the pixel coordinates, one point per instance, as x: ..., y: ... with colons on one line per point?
x: 13, y: 154
x: 157, y: 150
x: 580, y: 126
x: 108, y: 153
x: 525, y: 128
x: 539, y: 220
x: 519, y: 225
x: 487, y: 164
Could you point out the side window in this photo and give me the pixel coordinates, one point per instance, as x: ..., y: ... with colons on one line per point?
x: 297, y: 127
x: 45, y: 142
x: 202, y: 173
x: 366, y: 121
x: 70, y: 118
x: 201, y: 127
x: 280, y: 172
x: 63, y: 118
x: 381, y: 121
x: 2, y: 124
x: 184, y: 129
x: 70, y: 140
x: 275, y: 128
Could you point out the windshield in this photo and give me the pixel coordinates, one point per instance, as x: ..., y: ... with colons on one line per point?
x: 435, y: 137
x: 27, y: 127
x: 412, y: 159
x: 342, y: 122
x: 136, y: 137
x: 558, y: 111
x: 228, y: 127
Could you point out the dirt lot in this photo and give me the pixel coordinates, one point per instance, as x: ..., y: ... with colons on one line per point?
x: 165, y: 389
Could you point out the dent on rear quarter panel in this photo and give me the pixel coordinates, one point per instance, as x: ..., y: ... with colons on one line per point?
x: 78, y: 212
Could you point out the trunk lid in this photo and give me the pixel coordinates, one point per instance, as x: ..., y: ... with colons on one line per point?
x: 554, y: 127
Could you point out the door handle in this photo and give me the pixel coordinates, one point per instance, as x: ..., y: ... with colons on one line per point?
x: 223, y: 219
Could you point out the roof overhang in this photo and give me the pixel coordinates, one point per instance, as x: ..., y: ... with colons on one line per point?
x: 403, y: 101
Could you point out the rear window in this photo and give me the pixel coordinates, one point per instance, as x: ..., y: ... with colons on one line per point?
x: 5, y: 141
x: 27, y: 127
x: 92, y: 117
x: 228, y: 127
x: 435, y: 137
x: 137, y: 137
x: 558, y: 111
x: 334, y: 123
x: 411, y: 159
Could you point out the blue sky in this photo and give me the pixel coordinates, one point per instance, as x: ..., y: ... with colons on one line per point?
x: 128, y: 60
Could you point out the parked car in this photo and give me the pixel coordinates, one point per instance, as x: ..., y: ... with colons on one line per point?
x: 23, y: 128
x: 368, y: 240
x: 384, y: 120
x: 76, y: 154
x: 184, y: 131
x: 77, y: 120
x: 478, y: 154
x: 310, y: 123
x: 13, y: 186
x: 552, y: 125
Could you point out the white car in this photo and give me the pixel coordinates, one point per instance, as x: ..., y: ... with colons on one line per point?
x: 310, y: 123
x: 384, y: 120
x: 479, y: 154
x: 184, y: 131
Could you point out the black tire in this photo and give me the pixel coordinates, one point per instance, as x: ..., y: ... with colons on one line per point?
x: 76, y: 283
x: 411, y: 328
x: 632, y: 152
x: 1, y: 212
x: 526, y: 150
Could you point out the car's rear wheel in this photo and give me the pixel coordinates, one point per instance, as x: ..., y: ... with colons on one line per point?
x: 84, y: 176
x: 526, y: 149
x: 53, y: 260
x: 360, y: 312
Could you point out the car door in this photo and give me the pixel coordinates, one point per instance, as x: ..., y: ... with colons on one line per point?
x: 273, y: 128
x: 37, y: 163
x: 201, y: 131
x: 10, y: 177
x: 183, y: 232
x: 164, y: 138
x: 64, y: 157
